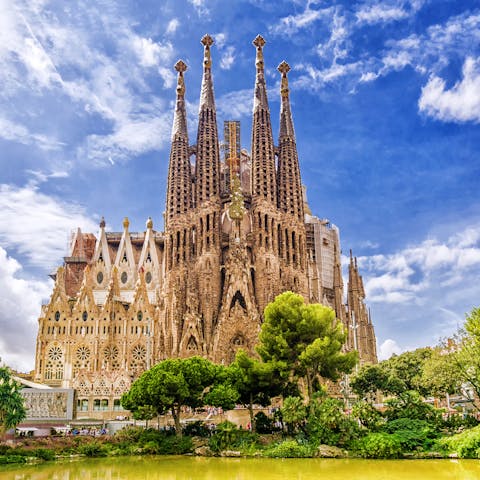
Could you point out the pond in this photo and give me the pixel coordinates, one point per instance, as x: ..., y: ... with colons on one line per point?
x: 202, y: 468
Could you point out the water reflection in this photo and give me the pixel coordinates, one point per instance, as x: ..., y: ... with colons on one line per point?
x: 199, y: 468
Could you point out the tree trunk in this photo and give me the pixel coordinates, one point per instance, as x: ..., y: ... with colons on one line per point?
x: 309, y: 387
x: 176, y: 419
x: 250, y: 411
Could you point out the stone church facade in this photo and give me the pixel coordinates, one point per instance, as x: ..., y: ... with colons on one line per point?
x: 238, y: 232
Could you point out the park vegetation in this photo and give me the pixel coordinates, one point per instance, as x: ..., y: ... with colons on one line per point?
x: 387, y: 410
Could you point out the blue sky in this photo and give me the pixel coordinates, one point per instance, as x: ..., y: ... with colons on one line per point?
x: 386, y: 103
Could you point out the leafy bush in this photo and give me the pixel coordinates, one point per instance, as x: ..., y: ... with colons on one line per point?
x: 465, y: 444
x: 129, y: 434
x: 290, y: 449
x: 5, y: 449
x: 93, y: 449
x: 196, y: 429
x: 6, y: 459
x: 379, y: 445
x: 173, y: 445
x: 328, y: 424
x: 263, y: 424
x: 455, y: 423
x: 44, y: 453
x: 412, y: 433
x: 368, y: 416
x: 224, y: 437
x: 410, y: 405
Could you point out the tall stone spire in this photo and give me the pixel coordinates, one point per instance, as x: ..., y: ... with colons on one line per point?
x: 289, y: 183
x: 263, y: 152
x: 179, y: 190
x: 207, y: 166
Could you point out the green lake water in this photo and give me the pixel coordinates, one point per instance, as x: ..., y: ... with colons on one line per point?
x: 201, y: 468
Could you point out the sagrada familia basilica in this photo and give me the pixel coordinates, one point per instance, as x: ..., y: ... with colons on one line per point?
x: 238, y: 232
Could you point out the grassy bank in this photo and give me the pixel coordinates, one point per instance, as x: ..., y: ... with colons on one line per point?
x: 403, y: 438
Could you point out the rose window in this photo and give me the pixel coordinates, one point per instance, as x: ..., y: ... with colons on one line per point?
x: 55, y: 354
x: 139, y: 352
x: 111, y: 352
x: 83, y: 353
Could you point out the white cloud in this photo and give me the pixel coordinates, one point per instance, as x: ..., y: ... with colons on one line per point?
x: 291, y: 24
x: 236, y: 104
x: 200, y: 7
x: 19, y: 133
x: 19, y: 310
x: 227, y: 59
x: 388, y: 348
x: 151, y: 53
x: 220, y: 39
x: 461, y: 103
x: 130, y: 138
x: 39, y: 50
x: 36, y: 225
x: 387, y: 11
x: 368, y: 77
x: 380, y: 13
x: 406, y: 275
x: 172, y: 26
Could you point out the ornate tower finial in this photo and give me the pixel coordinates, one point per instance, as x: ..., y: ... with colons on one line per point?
x: 181, y: 67
x: 102, y: 222
x: 126, y: 223
x: 207, y: 41
x: 284, y: 68
x: 149, y: 223
x: 259, y: 42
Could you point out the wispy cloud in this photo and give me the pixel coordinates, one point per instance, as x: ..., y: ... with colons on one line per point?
x: 228, y: 57
x: 34, y: 224
x: 375, y: 12
x: 236, y: 104
x: 172, y: 26
x: 20, y: 133
x: 18, y: 317
x: 461, y: 103
x: 388, y: 348
x: 200, y: 7
x: 291, y: 24
x: 405, y: 275
x: 50, y: 47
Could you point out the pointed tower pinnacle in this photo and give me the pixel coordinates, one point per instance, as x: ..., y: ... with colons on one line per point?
x: 207, y: 165
x: 263, y: 151
x: 290, y: 192
x: 180, y: 116
x: 179, y: 189
x: 206, y: 94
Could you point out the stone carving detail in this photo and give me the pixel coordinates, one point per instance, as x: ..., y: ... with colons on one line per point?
x: 45, y: 404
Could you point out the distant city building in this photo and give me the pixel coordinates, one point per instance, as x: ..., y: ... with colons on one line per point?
x: 236, y: 235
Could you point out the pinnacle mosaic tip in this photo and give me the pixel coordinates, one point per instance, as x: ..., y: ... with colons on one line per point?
x: 181, y: 66
x: 259, y: 41
x: 284, y: 67
x: 207, y: 40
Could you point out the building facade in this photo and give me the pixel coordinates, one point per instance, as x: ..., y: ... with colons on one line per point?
x: 237, y: 233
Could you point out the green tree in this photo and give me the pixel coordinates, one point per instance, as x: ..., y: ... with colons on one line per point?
x: 465, y: 352
x: 255, y: 381
x: 12, y: 409
x: 145, y: 412
x: 294, y: 413
x: 398, y: 374
x: 304, y: 340
x: 441, y: 375
x: 175, y: 383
